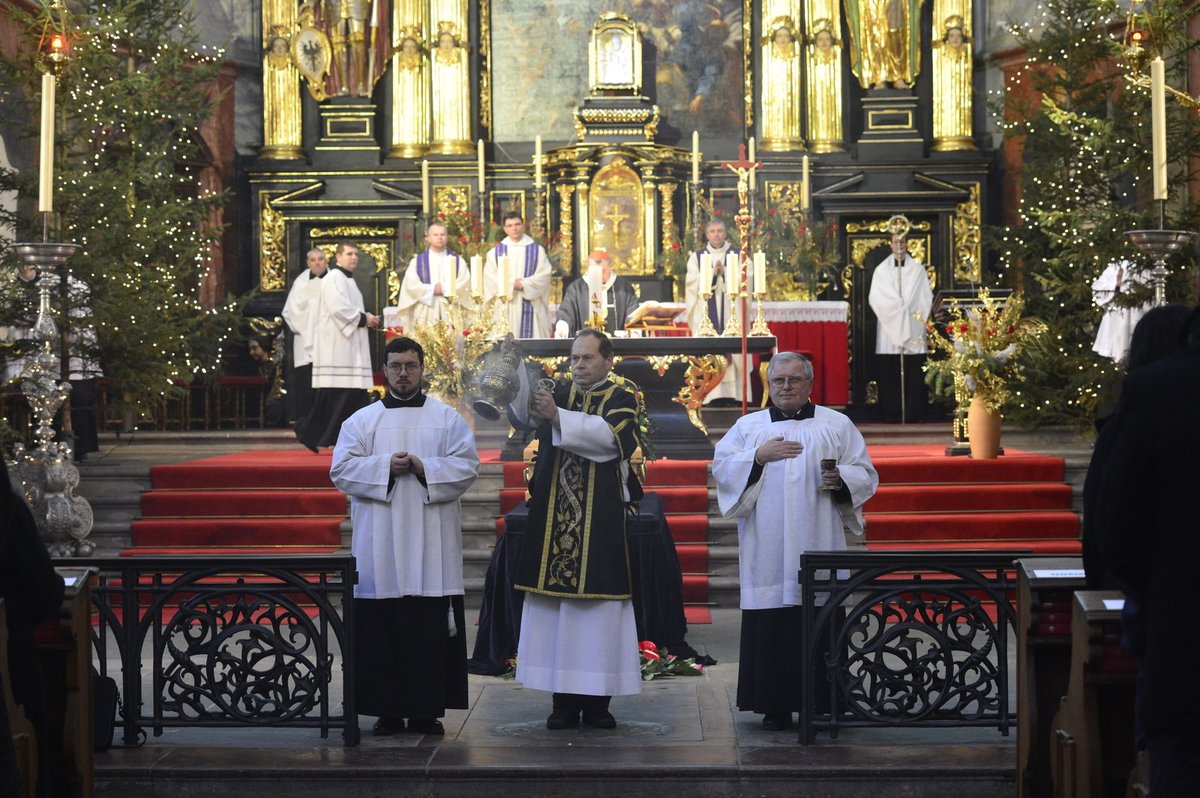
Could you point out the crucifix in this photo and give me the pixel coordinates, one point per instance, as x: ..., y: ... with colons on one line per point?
x: 742, y: 168
x: 616, y: 217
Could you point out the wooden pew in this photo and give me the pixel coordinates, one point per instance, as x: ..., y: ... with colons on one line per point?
x: 1092, y: 742
x: 1045, y: 586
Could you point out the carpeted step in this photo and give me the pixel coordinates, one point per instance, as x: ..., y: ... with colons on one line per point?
x: 695, y: 588
x: 1065, y: 546
x: 688, y: 527
x: 895, y: 469
x: 237, y: 532
x: 970, y: 498
x: 221, y: 504
x: 256, y: 468
x: 971, y: 526
x: 224, y: 551
x: 693, y: 557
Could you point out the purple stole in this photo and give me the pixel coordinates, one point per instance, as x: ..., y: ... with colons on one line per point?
x: 531, y: 262
x: 716, y: 310
x: 423, y: 265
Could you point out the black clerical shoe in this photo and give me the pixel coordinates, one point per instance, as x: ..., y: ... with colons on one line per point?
x: 563, y: 719
x: 599, y: 719
x: 387, y: 726
x: 426, y: 726
x: 778, y: 722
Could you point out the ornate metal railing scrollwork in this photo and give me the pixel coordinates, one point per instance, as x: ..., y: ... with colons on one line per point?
x: 915, y: 639
x: 230, y: 641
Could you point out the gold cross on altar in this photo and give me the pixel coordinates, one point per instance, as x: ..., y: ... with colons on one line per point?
x: 616, y: 217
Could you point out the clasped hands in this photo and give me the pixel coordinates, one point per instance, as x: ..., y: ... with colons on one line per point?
x: 403, y: 464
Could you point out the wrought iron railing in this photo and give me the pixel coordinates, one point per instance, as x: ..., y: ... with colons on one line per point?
x: 913, y: 639
x: 251, y: 640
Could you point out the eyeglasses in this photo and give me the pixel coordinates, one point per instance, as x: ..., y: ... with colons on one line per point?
x: 779, y: 382
x: 405, y: 368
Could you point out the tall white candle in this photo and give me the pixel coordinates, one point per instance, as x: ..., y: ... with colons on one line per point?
x: 752, y: 159
x: 46, y: 164
x: 425, y: 187
x: 504, y: 277
x: 479, y: 163
x: 449, y: 278
x: 1158, y: 118
x: 805, y: 189
x: 733, y: 273
x: 476, y: 276
x: 760, y: 272
x: 706, y: 274
x: 695, y: 156
x: 537, y: 162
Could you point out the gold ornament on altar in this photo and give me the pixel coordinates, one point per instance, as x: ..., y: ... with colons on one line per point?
x: 312, y: 53
x: 952, y: 66
x: 410, y: 54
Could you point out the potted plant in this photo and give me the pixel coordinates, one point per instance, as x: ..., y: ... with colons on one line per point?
x: 977, y: 355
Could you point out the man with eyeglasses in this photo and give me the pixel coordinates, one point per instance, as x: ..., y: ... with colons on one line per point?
x: 578, y: 637
x: 795, y: 476
x: 405, y: 462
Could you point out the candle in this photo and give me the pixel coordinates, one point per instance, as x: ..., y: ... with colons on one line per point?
x: 537, y: 162
x: 706, y: 276
x: 1158, y: 117
x: 449, y: 277
x: 425, y: 187
x: 805, y: 189
x: 46, y: 166
x: 505, y: 277
x: 479, y: 160
x: 760, y: 272
x: 753, y: 177
x: 476, y: 276
x: 733, y: 273
x: 695, y: 156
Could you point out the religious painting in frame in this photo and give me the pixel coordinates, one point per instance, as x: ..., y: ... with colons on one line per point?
x: 501, y: 202
x: 693, y: 66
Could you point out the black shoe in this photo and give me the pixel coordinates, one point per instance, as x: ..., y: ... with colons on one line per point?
x: 426, y: 726
x: 602, y: 719
x: 778, y: 722
x: 385, y: 727
x: 562, y: 719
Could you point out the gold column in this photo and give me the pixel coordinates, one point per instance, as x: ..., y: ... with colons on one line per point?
x: 452, y: 84
x: 280, y: 83
x: 410, y: 79
x: 584, y: 225
x: 566, y: 229
x: 666, y: 192
x: 823, y: 88
x: 779, y: 67
x: 952, y: 63
x: 649, y: 222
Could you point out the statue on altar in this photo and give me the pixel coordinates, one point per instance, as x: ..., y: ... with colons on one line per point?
x: 824, y: 94
x: 781, y: 84
x: 952, y: 64
x: 884, y: 42
x: 451, y: 91
x: 358, y: 34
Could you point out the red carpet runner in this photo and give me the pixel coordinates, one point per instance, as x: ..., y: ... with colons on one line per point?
x: 273, y: 499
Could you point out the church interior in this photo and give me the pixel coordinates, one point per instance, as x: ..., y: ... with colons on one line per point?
x: 914, y: 195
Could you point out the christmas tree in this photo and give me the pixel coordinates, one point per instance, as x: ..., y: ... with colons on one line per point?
x: 1085, y: 180
x: 133, y: 91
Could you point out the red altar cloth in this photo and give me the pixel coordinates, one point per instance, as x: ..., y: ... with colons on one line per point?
x: 819, y: 329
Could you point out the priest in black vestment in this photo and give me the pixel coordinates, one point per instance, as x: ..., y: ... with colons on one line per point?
x: 599, y: 291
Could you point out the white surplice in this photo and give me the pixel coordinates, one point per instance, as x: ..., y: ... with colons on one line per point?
x: 341, y: 352
x: 1116, y: 326
x: 300, y: 311
x: 418, y: 305
x: 535, y: 288
x: 901, y: 298
x: 407, y: 538
x: 785, y: 513
x: 727, y: 388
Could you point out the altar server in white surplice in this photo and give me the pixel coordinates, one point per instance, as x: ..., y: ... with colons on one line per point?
x: 528, y: 280
x: 405, y: 462
x: 720, y: 307
x: 435, y: 280
x: 901, y: 297
x: 341, y: 352
x: 301, y: 312
x: 768, y: 474
x: 1116, y: 326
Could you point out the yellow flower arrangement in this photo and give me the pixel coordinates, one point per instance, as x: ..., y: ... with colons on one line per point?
x: 454, y: 348
x: 982, y: 345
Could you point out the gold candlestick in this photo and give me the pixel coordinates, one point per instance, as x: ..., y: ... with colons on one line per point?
x: 707, y: 330
x: 760, y: 323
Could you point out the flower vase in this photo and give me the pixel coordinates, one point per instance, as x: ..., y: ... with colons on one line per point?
x: 983, y: 430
